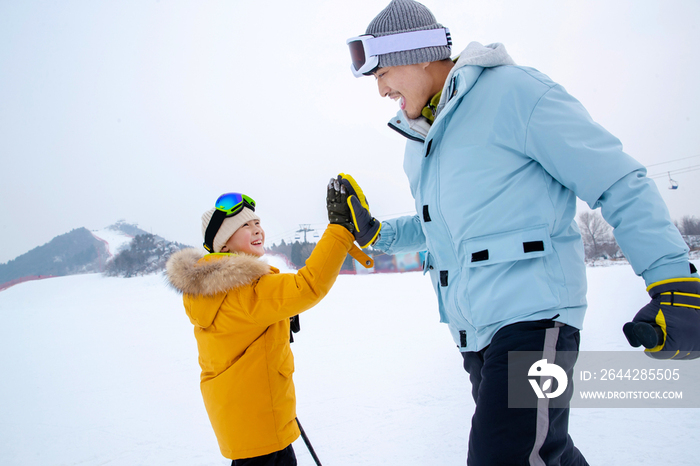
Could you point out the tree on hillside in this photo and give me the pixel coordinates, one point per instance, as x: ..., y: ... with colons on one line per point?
x: 689, y: 226
x: 598, y: 240
x: 146, y: 254
x: 300, y: 252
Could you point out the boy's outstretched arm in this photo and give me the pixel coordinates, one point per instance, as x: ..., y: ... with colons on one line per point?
x: 279, y: 296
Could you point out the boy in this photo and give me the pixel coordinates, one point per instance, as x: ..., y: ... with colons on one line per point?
x: 241, y: 309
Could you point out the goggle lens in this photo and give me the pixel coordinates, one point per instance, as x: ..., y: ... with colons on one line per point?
x: 357, y: 54
x: 232, y: 203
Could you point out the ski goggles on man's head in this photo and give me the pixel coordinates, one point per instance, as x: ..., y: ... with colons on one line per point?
x: 227, y: 205
x: 365, y: 50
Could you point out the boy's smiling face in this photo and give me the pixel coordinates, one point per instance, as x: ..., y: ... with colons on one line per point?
x: 248, y: 239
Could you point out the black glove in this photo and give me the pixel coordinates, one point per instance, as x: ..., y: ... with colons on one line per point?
x: 337, y: 204
x: 367, y: 228
x: 669, y: 326
x: 294, y: 327
x: 294, y: 324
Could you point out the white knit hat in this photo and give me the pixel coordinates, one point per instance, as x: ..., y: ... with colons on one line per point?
x: 229, y: 227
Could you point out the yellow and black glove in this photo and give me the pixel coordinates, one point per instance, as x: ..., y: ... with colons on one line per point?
x: 669, y: 326
x: 367, y: 228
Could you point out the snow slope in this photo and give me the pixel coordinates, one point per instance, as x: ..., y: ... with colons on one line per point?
x: 97, y: 370
x: 115, y: 239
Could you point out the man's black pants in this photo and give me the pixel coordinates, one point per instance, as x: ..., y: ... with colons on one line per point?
x: 521, y: 436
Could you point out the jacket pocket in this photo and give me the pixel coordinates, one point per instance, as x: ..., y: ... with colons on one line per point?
x: 508, y: 275
x: 528, y: 243
x: 286, y: 367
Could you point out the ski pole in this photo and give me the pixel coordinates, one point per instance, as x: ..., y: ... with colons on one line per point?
x: 308, y: 444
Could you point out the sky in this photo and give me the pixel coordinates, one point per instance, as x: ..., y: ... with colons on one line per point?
x: 148, y: 110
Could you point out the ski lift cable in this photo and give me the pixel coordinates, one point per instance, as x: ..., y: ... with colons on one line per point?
x: 691, y: 168
x: 290, y: 233
x: 279, y: 236
x: 675, y: 172
x: 686, y: 170
x: 669, y: 161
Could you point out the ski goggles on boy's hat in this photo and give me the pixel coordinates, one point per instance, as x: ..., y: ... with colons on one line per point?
x: 365, y: 49
x: 227, y: 205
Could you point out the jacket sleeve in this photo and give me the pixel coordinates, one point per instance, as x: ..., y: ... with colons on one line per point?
x: 644, y: 230
x: 584, y: 157
x: 279, y: 296
x: 401, y: 235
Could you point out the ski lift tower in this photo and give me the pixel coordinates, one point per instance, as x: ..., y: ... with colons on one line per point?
x: 305, y: 229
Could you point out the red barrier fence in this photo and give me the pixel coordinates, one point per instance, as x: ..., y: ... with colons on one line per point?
x: 28, y: 278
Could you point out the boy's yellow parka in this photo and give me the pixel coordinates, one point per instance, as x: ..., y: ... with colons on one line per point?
x: 240, y: 307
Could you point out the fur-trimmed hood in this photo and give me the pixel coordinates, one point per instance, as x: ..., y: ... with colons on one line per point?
x: 206, y: 279
x: 192, y: 272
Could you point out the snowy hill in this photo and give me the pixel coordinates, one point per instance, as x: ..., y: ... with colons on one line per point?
x: 71, y: 253
x: 100, y: 370
x: 77, y: 252
x: 114, y: 239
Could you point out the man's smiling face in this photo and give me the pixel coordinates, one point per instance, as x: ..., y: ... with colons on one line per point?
x: 411, y: 85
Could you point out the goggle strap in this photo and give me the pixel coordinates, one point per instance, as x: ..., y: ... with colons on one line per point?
x: 407, y: 41
x: 217, y: 218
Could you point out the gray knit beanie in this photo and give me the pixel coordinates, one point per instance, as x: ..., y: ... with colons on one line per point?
x: 406, y: 16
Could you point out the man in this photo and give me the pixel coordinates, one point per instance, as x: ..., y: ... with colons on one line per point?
x: 496, y: 156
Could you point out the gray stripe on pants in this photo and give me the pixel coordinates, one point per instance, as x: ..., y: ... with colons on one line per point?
x: 549, y: 353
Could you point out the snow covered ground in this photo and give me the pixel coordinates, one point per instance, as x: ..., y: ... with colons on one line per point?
x: 103, y: 371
